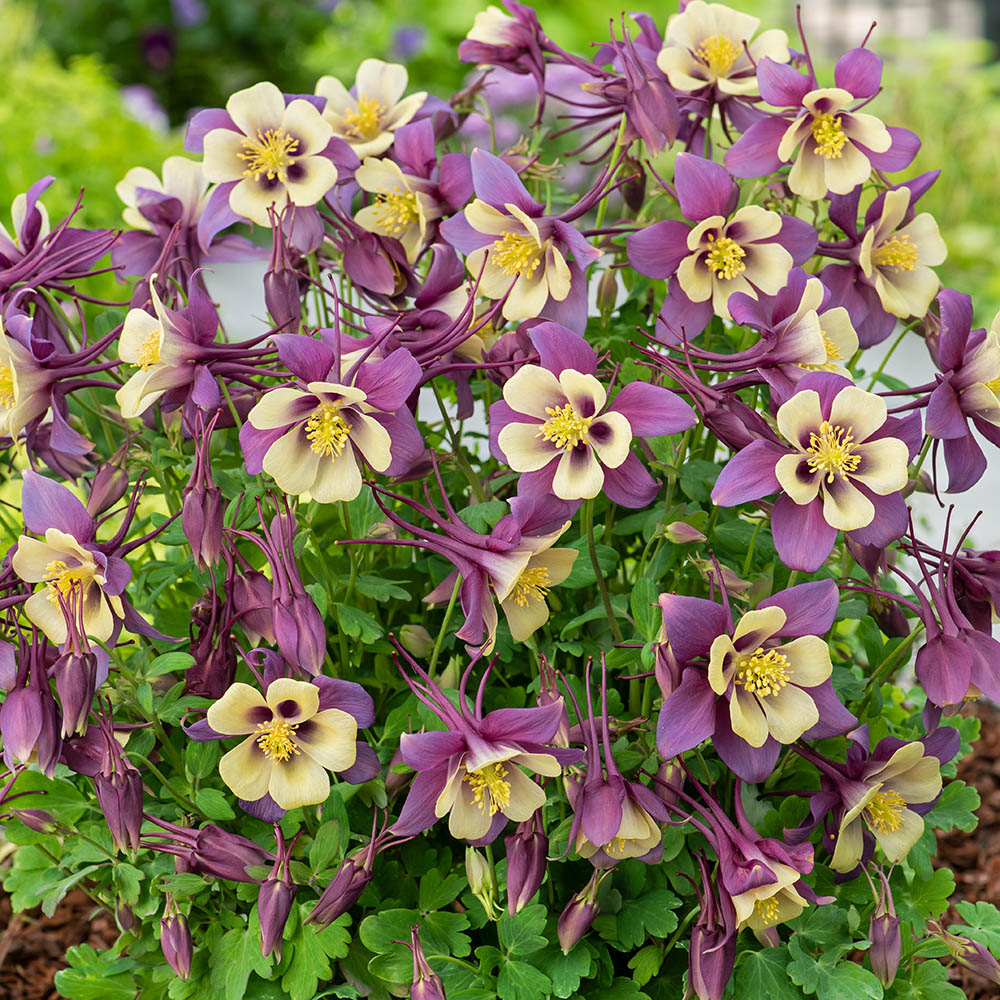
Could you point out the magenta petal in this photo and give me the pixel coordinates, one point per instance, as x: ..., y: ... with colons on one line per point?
x: 905, y: 146
x: 46, y: 504
x: 601, y: 810
x: 704, y: 188
x: 570, y: 312
x: 781, y: 86
x: 797, y: 237
x: 496, y: 183
x: 691, y: 624
x: 653, y: 411
x: 749, y: 474
x: 944, y: 418
x: 425, y: 751
x: 965, y: 461
x: 752, y: 764
x: 630, y: 485
x: 687, y: 717
x: 956, y: 322
x: 679, y: 318
x: 203, y: 123
x: 834, y: 719
x: 217, y: 215
x: 462, y: 236
x: 985, y: 663
x: 890, y: 522
x: 348, y: 696
x: 810, y: 608
x: 310, y: 359
x: 755, y: 153
x: 657, y: 250
x: 559, y: 348
x: 417, y: 813
x: 389, y: 384
x: 366, y: 766
x: 801, y: 536
x: 944, y: 669
x: 859, y: 72
x: 533, y: 725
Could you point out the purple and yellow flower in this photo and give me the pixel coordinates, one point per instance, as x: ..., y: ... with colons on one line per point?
x: 711, y: 45
x: 270, y: 153
x: 555, y: 426
x: 367, y: 116
x: 23, y: 384
x: 291, y: 743
x: 842, y: 469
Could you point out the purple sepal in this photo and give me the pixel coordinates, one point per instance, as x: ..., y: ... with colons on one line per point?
x: 203, y: 123
x: 834, y: 718
x: 46, y: 504
x: 802, y: 537
x: 497, y: 184
x: 687, y: 716
x: 691, y: 624
x: 859, y: 72
x: 755, y: 153
x: 365, y: 767
x: 749, y: 474
x: 348, y: 696
x: 217, y: 215
x: 704, y: 188
x: 418, y: 813
x: 202, y: 732
x: 653, y: 411
x: 630, y: 485
x: 657, y: 250
x: 810, y: 608
x: 781, y: 86
x: 265, y: 809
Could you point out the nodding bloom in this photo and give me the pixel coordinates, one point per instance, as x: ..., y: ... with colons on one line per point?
x: 555, y: 426
x: 518, y: 253
x: 758, y: 692
x: 267, y: 152
x: 967, y: 394
x: 291, y: 742
x: 729, y: 249
x: 471, y: 772
x: 877, y: 797
x: 965, y: 952
x: 312, y: 438
x: 613, y: 819
x: 842, y: 469
x: 367, y: 116
x: 426, y: 983
x: 713, y: 938
x: 23, y: 386
x: 711, y: 45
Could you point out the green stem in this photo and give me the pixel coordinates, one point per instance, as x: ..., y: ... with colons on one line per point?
x: 232, y: 405
x: 750, y: 550
x: 436, y: 652
x: 602, y: 584
x: 885, y: 668
x: 458, y: 451
x: 885, y: 360
x: 180, y: 799
x: 603, y: 206
x: 923, y: 454
x: 681, y: 928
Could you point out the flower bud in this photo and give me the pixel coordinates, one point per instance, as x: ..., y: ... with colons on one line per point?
x: 634, y: 188
x: 76, y: 681
x: 201, y: 521
x: 669, y: 780
x: 39, y: 820
x: 397, y: 782
x: 226, y: 855
x: 607, y: 294
x: 666, y: 669
x: 108, y: 487
x: 681, y: 533
x: 548, y: 693
x: 281, y: 296
x: 124, y: 917
x: 482, y: 881
x: 527, y: 850
x: 299, y: 631
x: 416, y: 640
x: 451, y: 675
x: 968, y: 953
x: 427, y: 983
x: 252, y: 594
x: 274, y: 903
x: 711, y: 960
x: 175, y: 940
x: 887, y: 945
x: 342, y: 893
x: 119, y: 794
x: 580, y: 912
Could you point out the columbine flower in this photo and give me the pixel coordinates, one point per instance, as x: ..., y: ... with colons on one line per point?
x: 471, y: 772
x: 842, y: 470
x: 290, y: 743
x: 23, y: 382
x: 270, y: 153
x: 749, y: 250
x: 312, y: 439
x: 704, y: 47
x: 367, y: 116
x: 518, y: 253
x: 836, y: 147
x: 554, y: 424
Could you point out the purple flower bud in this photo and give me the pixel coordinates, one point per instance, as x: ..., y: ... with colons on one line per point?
x: 282, y: 298
x: 274, y: 903
x: 607, y: 294
x: 668, y: 781
x: 38, y: 820
x: 299, y: 631
x: 108, y: 487
x: 427, y: 984
x: 634, y: 189
x: 666, y: 669
x: 887, y: 945
x: 681, y: 533
x: 76, y: 680
x: 548, y: 693
x: 175, y: 940
x: 119, y: 794
x: 580, y: 912
x: 342, y: 893
x: 124, y: 917
x: 712, y: 953
x: 527, y: 850
x: 416, y: 640
x: 251, y: 594
x: 201, y: 519
x: 968, y: 953
x: 397, y: 782
x: 227, y: 855
x: 508, y: 354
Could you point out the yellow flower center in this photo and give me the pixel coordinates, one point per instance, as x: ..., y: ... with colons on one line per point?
x: 829, y: 136
x: 718, y: 53
x: 565, y: 428
x: 149, y: 351
x: 532, y: 585
x: 617, y: 848
x: 269, y: 154
x: 763, y: 673
x: 365, y: 122
x: 768, y: 910
x: 63, y: 581
x: 7, y: 394
x: 832, y: 451
x: 327, y: 430
x: 725, y: 259
x: 993, y: 385
x: 897, y: 254
x: 490, y: 791
x: 833, y: 355
x: 396, y: 211
x: 885, y: 812
x: 275, y: 739
x: 516, y: 253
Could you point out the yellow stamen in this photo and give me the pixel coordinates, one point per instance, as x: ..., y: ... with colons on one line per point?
x: 993, y: 385
x: 365, y: 122
x: 269, y: 154
x: 885, y: 812
x: 275, y: 739
x: 327, y: 430
x: 532, y: 585
x: 829, y: 136
x: 725, y: 259
x: 565, y: 428
x: 833, y: 355
x: 768, y: 910
x: 718, y: 53
x: 617, y: 847
x: 897, y: 254
x: 7, y: 394
x: 763, y: 674
x: 490, y: 792
x: 61, y: 580
x: 149, y: 350
x: 832, y: 451
x: 516, y: 253
x: 396, y: 211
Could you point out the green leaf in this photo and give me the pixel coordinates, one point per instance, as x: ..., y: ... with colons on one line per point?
x: 235, y: 957
x: 645, y: 610
x: 929, y: 981
x: 982, y: 924
x: 95, y: 975
x: 697, y: 477
x: 926, y: 897
x: 829, y: 977
x: 53, y: 897
x: 167, y: 663
x: 955, y: 808
x: 522, y: 933
x: 214, y: 804
x: 520, y: 981
x: 357, y: 624
x: 646, y: 963
x: 183, y: 884
x: 325, y: 846
x: 126, y: 879
x: 650, y: 914
x: 566, y: 971
x: 762, y: 974
x: 582, y: 573
x: 379, y: 589
x: 623, y: 989
x: 483, y: 516
x: 440, y: 932
x: 311, y: 955
x: 597, y: 612
x: 437, y: 890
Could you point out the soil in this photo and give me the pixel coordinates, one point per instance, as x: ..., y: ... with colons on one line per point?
x: 32, y: 946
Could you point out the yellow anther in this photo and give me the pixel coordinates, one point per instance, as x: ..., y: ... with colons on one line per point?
x: 275, y: 740
x: 832, y: 451
x: 516, y: 253
x: 365, y: 122
x: 565, y: 428
x: 768, y: 910
x: 884, y: 813
x: 490, y: 792
x: 532, y: 585
x: 718, y: 53
x: 616, y: 848
x: 897, y: 254
x: 327, y: 430
x: 833, y: 355
x: 270, y: 154
x: 829, y: 136
x: 149, y: 351
x: 396, y: 211
x: 725, y: 258
x: 763, y: 674
x: 61, y: 580
x: 7, y: 394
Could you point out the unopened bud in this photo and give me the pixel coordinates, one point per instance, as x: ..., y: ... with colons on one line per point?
x: 416, y: 640
x: 607, y: 294
x: 452, y: 674
x: 175, y: 941
x: 252, y: 595
x: 274, y: 903
x: 482, y: 881
x: 201, y: 521
x: 38, y: 820
x: 887, y: 945
x: 668, y: 782
x: 76, y: 680
x: 108, y: 487
x: 634, y: 189
x: 342, y: 893
x: 968, y: 953
x: 299, y: 632
x: 580, y: 912
x: 527, y: 850
x: 681, y: 533
x: 119, y: 794
x: 281, y: 296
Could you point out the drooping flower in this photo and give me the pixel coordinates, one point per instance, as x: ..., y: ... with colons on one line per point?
x: 704, y: 47
x: 713, y: 938
x: 367, y: 116
x: 555, y: 426
x: 267, y: 153
x: 23, y: 383
x: 842, y: 470
x: 291, y: 743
